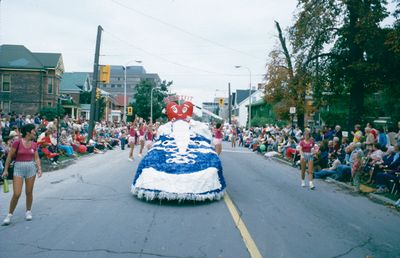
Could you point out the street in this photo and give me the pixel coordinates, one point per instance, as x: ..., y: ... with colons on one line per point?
x: 87, y: 210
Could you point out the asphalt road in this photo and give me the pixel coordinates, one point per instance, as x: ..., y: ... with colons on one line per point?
x: 86, y: 210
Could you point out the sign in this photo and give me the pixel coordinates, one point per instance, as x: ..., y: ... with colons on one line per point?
x: 292, y: 110
x: 130, y: 111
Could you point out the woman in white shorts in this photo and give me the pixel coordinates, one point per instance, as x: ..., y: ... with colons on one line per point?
x: 26, y: 166
x: 131, y: 139
x: 218, y: 135
x: 142, y: 132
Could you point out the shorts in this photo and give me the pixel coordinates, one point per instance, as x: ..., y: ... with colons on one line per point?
x: 25, y: 169
x: 217, y: 141
x: 149, y: 144
x: 141, y: 138
x: 308, y: 156
x: 131, y: 139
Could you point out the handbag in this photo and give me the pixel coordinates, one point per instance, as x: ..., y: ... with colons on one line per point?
x: 5, y: 186
x: 11, y: 168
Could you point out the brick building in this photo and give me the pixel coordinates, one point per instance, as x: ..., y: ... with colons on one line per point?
x: 28, y: 80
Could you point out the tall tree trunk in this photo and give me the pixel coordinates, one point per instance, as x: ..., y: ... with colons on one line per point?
x: 355, y: 57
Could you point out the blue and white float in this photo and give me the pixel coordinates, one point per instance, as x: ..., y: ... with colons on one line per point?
x: 181, y: 165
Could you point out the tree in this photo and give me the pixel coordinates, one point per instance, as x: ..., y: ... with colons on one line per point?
x: 286, y: 83
x: 84, y: 97
x: 52, y: 112
x: 342, y: 36
x: 141, y: 104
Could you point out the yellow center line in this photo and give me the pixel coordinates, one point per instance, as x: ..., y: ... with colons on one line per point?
x: 248, y: 240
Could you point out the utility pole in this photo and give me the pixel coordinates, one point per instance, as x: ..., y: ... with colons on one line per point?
x: 229, y: 104
x: 94, y: 82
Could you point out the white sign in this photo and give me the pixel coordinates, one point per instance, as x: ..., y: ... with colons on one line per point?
x: 292, y: 110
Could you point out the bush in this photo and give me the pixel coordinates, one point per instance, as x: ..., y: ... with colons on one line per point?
x: 52, y: 112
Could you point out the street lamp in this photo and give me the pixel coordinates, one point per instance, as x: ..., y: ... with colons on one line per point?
x: 151, y: 103
x: 248, y: 69
x: 125, y: 67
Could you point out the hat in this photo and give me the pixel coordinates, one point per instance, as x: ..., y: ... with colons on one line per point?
x: 13, y: 134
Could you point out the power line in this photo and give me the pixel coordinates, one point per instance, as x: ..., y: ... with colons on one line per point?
x: 183, y: 30
x: 165, y: 59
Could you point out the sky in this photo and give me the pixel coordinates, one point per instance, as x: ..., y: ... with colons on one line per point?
x: 194, y: 43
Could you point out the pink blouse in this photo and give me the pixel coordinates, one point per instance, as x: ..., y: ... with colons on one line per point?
x: 24, y: 154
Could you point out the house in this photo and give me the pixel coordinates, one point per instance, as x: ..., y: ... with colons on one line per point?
x: 240, y: 99
x: 29, y: 81
x: 242, y: 108
x: 72, y: 84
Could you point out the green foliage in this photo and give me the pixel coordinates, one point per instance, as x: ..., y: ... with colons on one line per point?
x: 101, y: 102
x: 261, y: 121
x: 84, y: 97
x: 52, y: 112
x: 141, y: 105
x: 339, y: 48
x: 333, y: 117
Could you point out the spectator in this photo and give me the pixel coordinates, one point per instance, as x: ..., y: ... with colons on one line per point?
x: 356, y: 171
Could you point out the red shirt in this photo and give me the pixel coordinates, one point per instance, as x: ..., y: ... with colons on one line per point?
x: 149, y: 136
x: 306, y: 147
x: 24, y: 154
x: 132, y: 132
x: 141, y: 131
x: 218, y: 134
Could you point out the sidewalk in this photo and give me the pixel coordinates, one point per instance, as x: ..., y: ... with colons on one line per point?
x: 365, y: 189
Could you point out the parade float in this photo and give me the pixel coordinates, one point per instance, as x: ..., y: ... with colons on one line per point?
x: 182, y: 164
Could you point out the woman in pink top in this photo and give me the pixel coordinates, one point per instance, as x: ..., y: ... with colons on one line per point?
x: 218, y: 138
x: 149, y: 136
x: 132, y: 139
x: 142, y: 132
x: 307, y: 156
x: 27, y: 164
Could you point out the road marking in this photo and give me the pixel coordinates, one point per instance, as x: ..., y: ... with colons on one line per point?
x: 248, y: 240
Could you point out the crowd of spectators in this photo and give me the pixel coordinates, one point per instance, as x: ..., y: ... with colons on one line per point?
x: 370, y: 154
x: 67, y: 138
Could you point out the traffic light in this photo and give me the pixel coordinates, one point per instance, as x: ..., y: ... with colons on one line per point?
x: 105, y: 71
x: 130, y: 111
x: 98, y: 93
x: 221, y: 102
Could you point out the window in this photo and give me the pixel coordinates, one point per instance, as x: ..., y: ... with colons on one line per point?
x: 119, y: 85
x: 50, y: 85
x: 112, y: 85
x: 49, y: 104
x: 6, y: 82
x: 5, y: 106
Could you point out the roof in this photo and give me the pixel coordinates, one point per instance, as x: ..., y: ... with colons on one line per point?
x: 259, y: 102
x: 242, y: 95
x: 49, y: 60
x: 19, y: 57
x: 85, y: 106
x: 73, y: 81
x: 119, y: 100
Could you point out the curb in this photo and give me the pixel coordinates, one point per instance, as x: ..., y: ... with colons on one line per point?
x: 372, y: 196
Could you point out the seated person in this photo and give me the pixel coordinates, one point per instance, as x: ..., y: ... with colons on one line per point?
x: 65, y: 145
x: 47, y: 146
